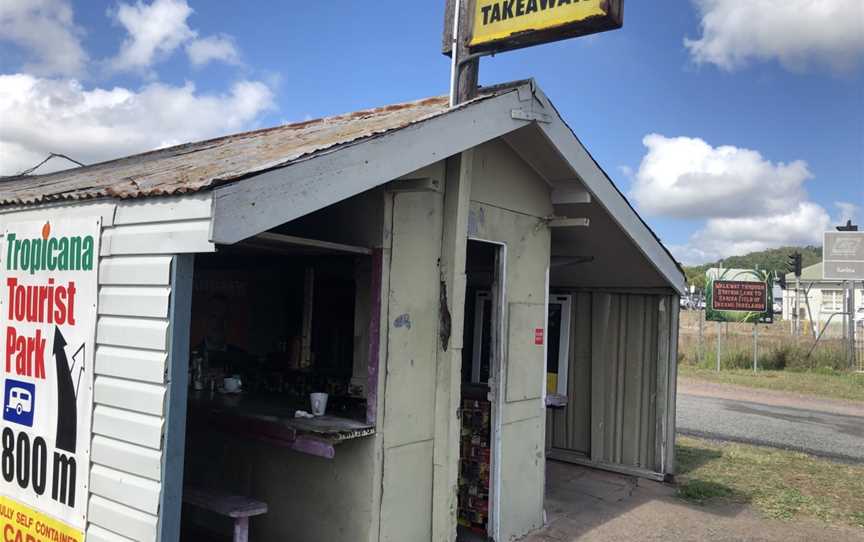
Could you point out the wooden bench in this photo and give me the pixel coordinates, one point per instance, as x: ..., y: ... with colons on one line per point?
x: 236, y: 507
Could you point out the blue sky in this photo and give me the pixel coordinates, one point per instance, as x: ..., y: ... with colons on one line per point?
x: 758, y: 123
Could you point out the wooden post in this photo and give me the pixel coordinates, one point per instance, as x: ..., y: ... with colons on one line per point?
x: 466, y: 72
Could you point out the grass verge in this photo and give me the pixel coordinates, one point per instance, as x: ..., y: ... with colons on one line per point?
x: 820, y: 383
x: 778, y: 483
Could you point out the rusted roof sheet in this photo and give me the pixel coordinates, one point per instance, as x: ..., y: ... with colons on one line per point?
x: 193, y: 167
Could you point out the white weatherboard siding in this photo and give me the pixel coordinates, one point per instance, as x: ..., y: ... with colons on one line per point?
x: 139, y: 242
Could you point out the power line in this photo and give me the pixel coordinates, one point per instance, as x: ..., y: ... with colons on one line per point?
x: 49, y: 157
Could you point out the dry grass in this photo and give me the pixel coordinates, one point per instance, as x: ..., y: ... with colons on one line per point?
x: 779, y: 484
x: 785, y: 362
x: 829, y: 384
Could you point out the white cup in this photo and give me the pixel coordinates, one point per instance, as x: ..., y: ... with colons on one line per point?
x: 319, y: 403
x: 231, y: 384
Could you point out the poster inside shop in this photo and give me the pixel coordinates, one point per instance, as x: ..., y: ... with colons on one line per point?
x: 48, y: 310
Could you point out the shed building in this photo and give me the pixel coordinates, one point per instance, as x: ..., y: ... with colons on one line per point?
x: 441, y: 273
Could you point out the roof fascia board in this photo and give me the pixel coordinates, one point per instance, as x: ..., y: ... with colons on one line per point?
x: 254, y: 205
x: 595, y: 179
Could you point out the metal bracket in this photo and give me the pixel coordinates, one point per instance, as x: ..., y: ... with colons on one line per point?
x: 530, y: 116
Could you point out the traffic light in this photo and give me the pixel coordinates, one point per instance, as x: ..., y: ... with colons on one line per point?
x: 781, y: 280
x: 794, y: 264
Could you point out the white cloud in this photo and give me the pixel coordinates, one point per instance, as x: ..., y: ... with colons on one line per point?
x: 747, y: 203
x: 797, y: 33
x: 213, y: 48
x: 155, y: 30
x: 846, y: 211
x: 60, y: 115
x: 685, y: 177
x: 723, y: 237
x: 46, y: 31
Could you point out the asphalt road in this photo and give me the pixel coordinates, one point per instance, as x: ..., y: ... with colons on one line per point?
x: 825, y: 434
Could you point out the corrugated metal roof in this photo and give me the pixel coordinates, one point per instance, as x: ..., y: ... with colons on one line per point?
x: 198, y: 166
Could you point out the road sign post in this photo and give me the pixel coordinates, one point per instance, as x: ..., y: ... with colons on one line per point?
x: 843, y: 259
x: 475, y: 28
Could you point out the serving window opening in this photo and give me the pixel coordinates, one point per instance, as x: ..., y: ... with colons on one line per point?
x: 280, y: 342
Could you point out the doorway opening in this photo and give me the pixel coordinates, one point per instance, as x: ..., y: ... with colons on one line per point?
x: 481, y: 367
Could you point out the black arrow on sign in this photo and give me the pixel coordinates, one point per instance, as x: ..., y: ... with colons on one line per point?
x: 67, y: 406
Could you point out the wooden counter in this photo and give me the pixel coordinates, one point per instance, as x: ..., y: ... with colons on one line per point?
x: 270, y: 418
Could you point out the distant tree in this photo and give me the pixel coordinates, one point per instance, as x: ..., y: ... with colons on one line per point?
x: 774, y: 259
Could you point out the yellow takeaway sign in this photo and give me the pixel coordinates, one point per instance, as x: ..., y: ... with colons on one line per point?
x: 496, y: 20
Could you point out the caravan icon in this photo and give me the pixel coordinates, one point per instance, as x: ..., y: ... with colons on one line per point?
x: 19, y: 402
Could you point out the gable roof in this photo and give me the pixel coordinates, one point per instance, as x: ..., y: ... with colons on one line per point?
x: 205, y: 164
x: 293, y: 170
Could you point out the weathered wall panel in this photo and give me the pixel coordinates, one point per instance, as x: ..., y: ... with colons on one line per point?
x: 127, y: 457
x: 124, y: 488
x: 411, y: 367
x: 620, y: 388
x: 406, y: 504
x: 521, y: 473
x: 569, y: 428
x: 413, y: 310
x: 122, y: 519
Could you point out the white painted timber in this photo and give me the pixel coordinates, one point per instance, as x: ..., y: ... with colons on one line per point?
x: 162, y: 238
x: 605, y: 193
x: 244, y: 209
x: 569, y: 223
x: 128, y: 426
x: 132, y: 332
x: 150, y: 210
x: 96, y: 533
x: 124, y: 488
x: 130, y: 395
x: 126, y: 457
x: 122, y: 519
x: 46, y: 212
x: 135, y: 270
x: 562, y: 196
x: 144, y: 365
x: 147, y: 302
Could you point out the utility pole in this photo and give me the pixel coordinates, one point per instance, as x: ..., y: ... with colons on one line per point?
x: 464, y: 69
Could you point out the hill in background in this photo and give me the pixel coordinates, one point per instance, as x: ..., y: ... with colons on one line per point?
x: 774, y: 259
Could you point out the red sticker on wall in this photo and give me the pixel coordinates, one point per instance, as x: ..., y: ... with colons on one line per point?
x: 538, y: 336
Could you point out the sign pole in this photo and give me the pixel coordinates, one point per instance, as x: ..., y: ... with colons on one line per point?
x: 718, y: 347
x: 701, y: 335
x: 464, y: 71
x: 851, y: 301
x: 798, y: 308
x: 755, y: 345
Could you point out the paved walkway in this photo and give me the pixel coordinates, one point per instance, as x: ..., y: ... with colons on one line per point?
x: 825, y: 428
x: 589, y: 505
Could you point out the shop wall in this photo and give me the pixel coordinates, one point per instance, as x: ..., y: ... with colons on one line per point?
x: 509, y: 203
x: 621, y: 382
x: 140, y: 241
x: 411, y: 339
x: 308, y: 497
